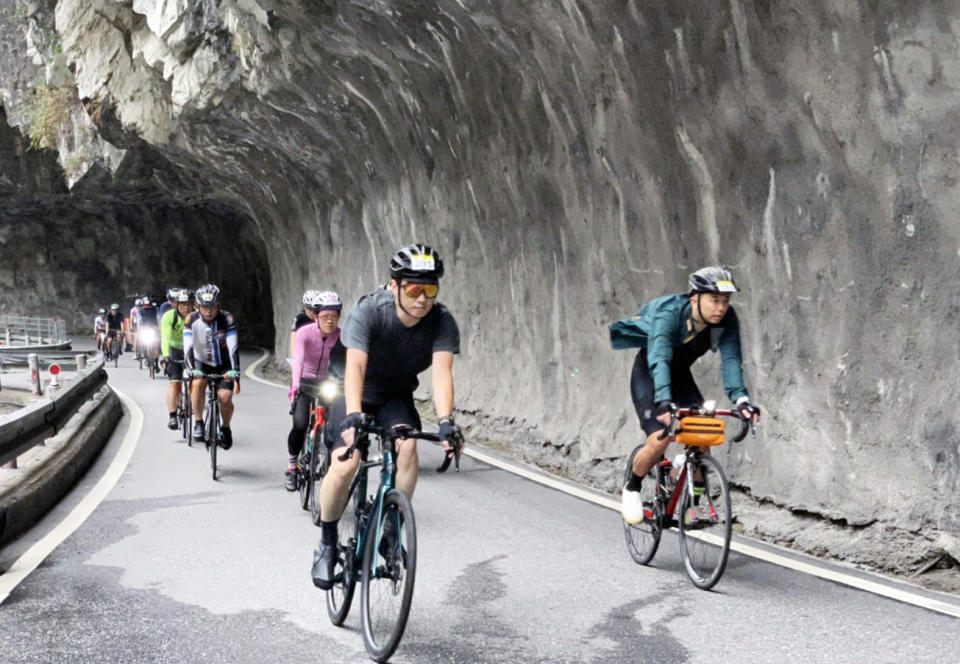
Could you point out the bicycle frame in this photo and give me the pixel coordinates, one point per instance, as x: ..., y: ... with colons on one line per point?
x: 358, y: 489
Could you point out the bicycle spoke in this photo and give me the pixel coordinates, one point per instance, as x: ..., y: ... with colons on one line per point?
x: 345, y: 578
x: 643, y: 538
x: 388, y: 592
x: 705, y: 524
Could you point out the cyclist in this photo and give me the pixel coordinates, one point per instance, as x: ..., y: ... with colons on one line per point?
x: 303, y: 317
x: 115, y: 321
x: 100, y: 327
x: 169, y: 303
x: 672, y: 331
x: 132, y: 324
x: 171, y: 348
x: 317, y: 353
x: 147, y: 320
x: 391, y: 336
x: 210, y: 346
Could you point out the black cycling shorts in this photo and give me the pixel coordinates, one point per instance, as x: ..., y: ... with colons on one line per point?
x: 174, y: 369
x: 223, y: 383
x: 682, y: 386
x: 388, y: 411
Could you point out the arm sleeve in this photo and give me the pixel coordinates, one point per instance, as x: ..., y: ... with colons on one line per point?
x: 188, y: 342
x: 296, y: 369
x: 660, y: 352
x: 731, y: 363
x: 233, y: 345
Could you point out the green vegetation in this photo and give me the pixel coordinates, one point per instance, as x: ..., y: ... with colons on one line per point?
x: 48, y: 111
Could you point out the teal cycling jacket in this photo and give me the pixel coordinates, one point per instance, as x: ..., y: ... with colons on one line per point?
x: 665, y: 323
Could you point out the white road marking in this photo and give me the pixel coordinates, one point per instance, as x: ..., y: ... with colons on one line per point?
x: 792, y: 560
x: 260, y: 360
x: 36, y: 554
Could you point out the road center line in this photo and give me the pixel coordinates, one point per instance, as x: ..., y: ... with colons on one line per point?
x: 36, y: 554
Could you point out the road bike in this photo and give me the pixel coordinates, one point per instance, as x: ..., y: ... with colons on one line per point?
x: 149, y: 350
x: 377, y: 544
x: 211, y: 420
x: 185, y: 410
x: 693, y: 497
x: 314, y: 458
x: 111, y: 350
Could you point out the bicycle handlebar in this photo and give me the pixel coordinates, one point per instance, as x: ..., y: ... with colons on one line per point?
x: 746, y: 423
x: 367, y: 426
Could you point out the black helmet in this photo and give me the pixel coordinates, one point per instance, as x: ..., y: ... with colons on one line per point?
x: 208, y: 295
x: 712, y: 279
x: 416, y: 262
x: 184, y: 295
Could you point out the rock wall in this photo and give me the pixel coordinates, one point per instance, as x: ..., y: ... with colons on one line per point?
x: 571, y: 159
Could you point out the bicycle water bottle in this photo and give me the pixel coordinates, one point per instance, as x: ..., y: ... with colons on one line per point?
x: 678, y: 462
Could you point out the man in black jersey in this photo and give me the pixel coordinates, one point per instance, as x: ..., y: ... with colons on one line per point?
x: 391, y: 336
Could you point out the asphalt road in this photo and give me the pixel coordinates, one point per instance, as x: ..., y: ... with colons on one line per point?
x: 174, y: 567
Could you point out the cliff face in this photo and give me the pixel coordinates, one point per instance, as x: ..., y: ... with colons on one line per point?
x: 570, y: 160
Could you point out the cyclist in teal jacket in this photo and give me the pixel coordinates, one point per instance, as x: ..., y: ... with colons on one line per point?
x: 672, y: 332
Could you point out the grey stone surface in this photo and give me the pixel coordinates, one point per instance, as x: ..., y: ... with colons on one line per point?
x: 571, y: 159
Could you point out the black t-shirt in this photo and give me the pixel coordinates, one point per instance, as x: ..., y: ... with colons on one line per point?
x: 299, y: 321
x: 115, y: 321
x: 396, y: 354
x: 148, y: 317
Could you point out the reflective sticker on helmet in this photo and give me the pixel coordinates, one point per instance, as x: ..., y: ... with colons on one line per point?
x: 725, y: 286
x: 422, y: 262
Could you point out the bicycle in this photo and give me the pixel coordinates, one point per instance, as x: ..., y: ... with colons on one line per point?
x: 111, y: 350
x: 362, y: 535
x: 314, y: 458
x: 185, y: 410
x: 697, y: 503
x: 211, y: 420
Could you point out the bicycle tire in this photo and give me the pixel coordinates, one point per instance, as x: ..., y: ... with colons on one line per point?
x: 213, y: 442
x: 340, y: 596
x: 643, y: 538
x: 705, y: 553
x: 319, y: 462
x: 303, y: 472
x: 385, y: 595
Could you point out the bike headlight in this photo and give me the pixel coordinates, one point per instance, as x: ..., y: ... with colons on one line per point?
x: 329, y: 390
x: 148, y: 335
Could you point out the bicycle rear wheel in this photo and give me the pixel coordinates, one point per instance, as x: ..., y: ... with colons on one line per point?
x: 643, y: 538
x: 344, y: 572
x: 705, y: 523
x: 389, y: 571
x: 184, y: 411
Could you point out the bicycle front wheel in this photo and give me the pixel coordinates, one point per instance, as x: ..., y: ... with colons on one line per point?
x: 643, y: 538
x: 389, y: 570
x: 213, y: 438
x: 705, y: 523
x: 303, y: 472
x: 319, y: 462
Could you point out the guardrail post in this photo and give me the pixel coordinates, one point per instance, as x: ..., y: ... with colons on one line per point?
x: 34, y: 374
x: 81, y: 364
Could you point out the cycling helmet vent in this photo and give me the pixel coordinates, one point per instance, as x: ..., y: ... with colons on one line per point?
x: 208, y: 295
x: 712, y: 279
x: 416, y: 261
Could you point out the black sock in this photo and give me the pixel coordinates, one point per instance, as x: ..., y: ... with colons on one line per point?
x: 173, y: 413
x: 634, y: 483
x: 329, y: 532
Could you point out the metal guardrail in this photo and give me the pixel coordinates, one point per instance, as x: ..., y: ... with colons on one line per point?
x: 32, y: 331
x: 44, y: 417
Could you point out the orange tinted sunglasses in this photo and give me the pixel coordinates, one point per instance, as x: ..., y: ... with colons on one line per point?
x: 415, y: 290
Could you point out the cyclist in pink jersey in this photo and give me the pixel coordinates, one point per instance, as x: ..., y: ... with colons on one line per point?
x: 317, y: 354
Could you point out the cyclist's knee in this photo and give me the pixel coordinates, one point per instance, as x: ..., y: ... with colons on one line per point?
x: 407, y: 452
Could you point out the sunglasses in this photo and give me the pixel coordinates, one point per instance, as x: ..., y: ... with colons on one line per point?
x: 415, y: 290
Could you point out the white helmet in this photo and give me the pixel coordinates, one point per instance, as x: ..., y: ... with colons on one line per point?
x: 322, y: 301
